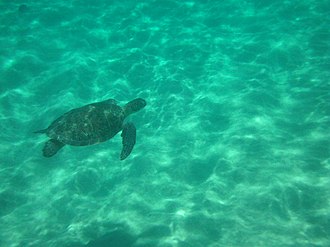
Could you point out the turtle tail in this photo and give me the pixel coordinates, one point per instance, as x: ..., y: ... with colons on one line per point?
x: 40, y: 131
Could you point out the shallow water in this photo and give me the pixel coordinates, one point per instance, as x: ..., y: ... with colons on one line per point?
x: 232, y: 148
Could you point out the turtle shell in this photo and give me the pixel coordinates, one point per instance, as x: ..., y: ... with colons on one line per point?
x: 90, y: 124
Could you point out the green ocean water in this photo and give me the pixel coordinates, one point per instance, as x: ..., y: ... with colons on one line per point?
x: 233, y: 147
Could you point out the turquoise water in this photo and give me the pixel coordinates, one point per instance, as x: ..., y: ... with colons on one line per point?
x: 233, y: 148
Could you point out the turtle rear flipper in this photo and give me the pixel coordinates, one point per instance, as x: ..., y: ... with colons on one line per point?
x: 51, y: 147
x: 129, y: 137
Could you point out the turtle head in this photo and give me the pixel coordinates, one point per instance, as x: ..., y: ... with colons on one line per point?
x: 134, y: 106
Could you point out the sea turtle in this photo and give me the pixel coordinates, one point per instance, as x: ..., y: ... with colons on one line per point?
x: 91, y: 124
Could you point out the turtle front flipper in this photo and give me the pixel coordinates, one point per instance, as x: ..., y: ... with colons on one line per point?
x: 129, y: 137
x: 51, y: 147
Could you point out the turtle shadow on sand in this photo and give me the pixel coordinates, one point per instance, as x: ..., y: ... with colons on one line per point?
x: 91, y: 124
